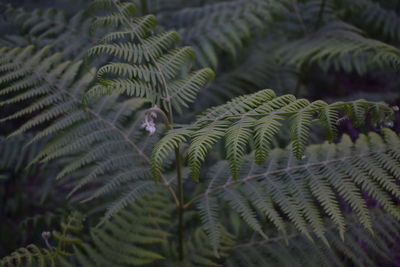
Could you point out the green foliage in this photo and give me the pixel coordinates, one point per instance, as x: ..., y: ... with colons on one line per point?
x: 293, y: 190
x: 307, y: 190
x: 49, y: 27
x: 341, y: 46
x: 148, y: 65
x: 359, y: 248
x: 259, y: 117
x: 130, y: 237
x: 51, y: 256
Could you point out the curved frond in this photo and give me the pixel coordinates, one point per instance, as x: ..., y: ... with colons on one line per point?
x: 305, y: 191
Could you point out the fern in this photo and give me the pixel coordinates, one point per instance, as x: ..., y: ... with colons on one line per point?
x: 305, y: 191
x: 49, y: 27
x: 32, y: 255
x: 130, y: 237
x: 220, y: 26
x: 276, y: 200
x: 343, y: 47
x: 382, y: 21
x: 147, y: 65
x: 274, y: 252
x: 258, y: 114
x: 60, y: 87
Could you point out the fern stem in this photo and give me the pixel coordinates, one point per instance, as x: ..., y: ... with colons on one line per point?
x: 299, y: 17
x: 320, y: 14
x: 181, y: 207
x: 143, y: 4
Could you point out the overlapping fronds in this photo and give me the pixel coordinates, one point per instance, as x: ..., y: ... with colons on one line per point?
x: 371, y: 16
x: 258, y: 118
x: 64, y: 240
x: 260, y: 69
x: 69, y: 35
x: 131, y: 238
x: 105, y: 140
x: 360, y: 248
x: 220, y: 26
x: 305, y: 191
x: 343, y: 47
x: 146, y: 64
x: 14, y: 156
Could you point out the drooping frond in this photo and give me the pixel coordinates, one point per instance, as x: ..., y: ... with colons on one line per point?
x: 258, y: 117
x: 14, y: 155
x: 69, y: 35
x: 343, y: 47
x: 359, y: 248
x: 105, y: 140
x: 220, y: 26
x: 146, y: 64
x: 304, y: 191
x: 130, y: 238
x: 371, y: 16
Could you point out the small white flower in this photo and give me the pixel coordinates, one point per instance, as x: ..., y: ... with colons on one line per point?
x: 46, y: 235
x: 149, y: 126
x: 389, y: 124
x: 303, y: 157
x: 395, y: 108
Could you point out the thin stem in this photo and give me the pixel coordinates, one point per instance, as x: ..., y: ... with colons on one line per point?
x: 145, y: 10
x: 299, y: 17
x: 320, y: 14
x: 181, y: 208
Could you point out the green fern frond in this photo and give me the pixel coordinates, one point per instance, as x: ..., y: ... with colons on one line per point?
x: 305, y: 191
x: 300, y: 251
x: 371, y: 15
x: 130, y: 237
x: 151, y: 67
x: 69, y: 35
x: 217, y: 27
x: 105, y: 138
x: 340, y: 46
x: 252, y: 115
x: 32, y: 255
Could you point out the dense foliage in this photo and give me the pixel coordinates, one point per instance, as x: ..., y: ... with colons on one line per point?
x: 140, y: 133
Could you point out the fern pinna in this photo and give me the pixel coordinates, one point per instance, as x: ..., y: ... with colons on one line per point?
x: 112, y: 129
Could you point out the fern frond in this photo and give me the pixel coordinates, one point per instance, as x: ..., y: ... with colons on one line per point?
x: 372, y: 16
x: 69, y: 35
x: 32, y: 255
x: 343, y: 47
x: 150, y: 66
x: 309, y: 189
x: 359, y: 248
x: 251, y: 115
x: 217, y: 27
x: 129, y: 238
x: 104, y: 139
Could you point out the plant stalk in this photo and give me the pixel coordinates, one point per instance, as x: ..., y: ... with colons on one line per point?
x: 320, y: 15
x: 143, y: 4
x: 181, y: 208
x: 181, y: 204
